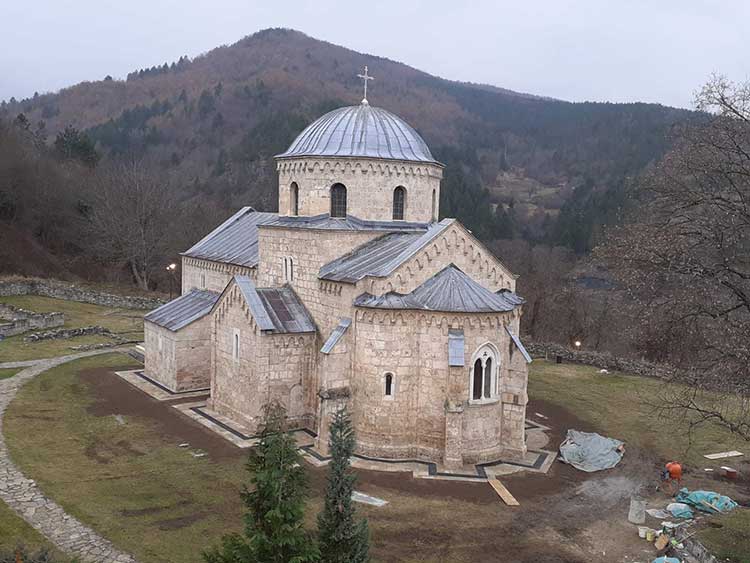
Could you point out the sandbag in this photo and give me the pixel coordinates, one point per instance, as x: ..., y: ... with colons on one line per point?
x: 589, y: 451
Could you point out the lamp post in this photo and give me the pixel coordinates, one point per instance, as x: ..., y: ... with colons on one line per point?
x: 171, y: 268
x: 577, y: 344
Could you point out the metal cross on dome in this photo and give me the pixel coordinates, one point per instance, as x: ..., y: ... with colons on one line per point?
x: 365, y: 77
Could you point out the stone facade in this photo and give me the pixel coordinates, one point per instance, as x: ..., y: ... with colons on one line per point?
x: 213, y: 276
x: 262, y: 368
x: 181, y: 360
x: 369, y: 182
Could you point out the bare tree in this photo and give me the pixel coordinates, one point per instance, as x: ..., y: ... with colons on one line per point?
x: 132, y: 217
x: 685, y: 259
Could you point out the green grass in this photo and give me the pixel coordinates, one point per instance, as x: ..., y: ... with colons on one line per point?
x: 127, y: 322
x: 9, y: 372
x: 732, y: 541
x: 622, y: 406
x: 14, y: 531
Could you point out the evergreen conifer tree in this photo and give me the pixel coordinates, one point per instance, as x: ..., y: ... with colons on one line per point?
x: 274, y: 531
x: 342, y: 539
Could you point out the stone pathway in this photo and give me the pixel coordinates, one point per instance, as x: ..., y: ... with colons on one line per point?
x: 24, y: 496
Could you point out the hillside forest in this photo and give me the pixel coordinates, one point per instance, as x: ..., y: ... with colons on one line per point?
x: 109, y: 180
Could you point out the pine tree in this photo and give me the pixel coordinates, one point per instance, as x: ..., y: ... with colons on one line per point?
x: 274, y: 531
x: 342, y: 539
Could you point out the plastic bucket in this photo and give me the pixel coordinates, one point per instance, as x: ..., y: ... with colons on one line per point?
x: 642, y: 531
x: 637, y: 513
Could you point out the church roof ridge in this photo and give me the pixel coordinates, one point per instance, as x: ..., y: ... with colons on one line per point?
x: 450, y: 290
x: 381, y: 256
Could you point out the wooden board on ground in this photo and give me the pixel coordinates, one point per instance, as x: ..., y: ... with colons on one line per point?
x: 722, y: 455
x: 503, y: 493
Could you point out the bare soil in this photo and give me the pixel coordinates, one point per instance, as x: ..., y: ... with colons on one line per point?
x: 565, y: 516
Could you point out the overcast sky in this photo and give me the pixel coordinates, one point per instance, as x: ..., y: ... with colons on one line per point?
x: 616, y: 50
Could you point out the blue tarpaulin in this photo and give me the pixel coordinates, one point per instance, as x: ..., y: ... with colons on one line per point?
x: 706, y: 501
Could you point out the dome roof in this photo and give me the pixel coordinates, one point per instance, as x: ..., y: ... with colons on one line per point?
x: 360, y: 131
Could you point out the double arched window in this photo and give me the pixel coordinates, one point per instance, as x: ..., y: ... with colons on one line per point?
x: 338, y: 200
x: 294, y: 199
x: 399, y: 203
x: 484, y: 374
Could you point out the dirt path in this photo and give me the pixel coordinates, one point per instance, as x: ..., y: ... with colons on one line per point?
x: 24, y: 496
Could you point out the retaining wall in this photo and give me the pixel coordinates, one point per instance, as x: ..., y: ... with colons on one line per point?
x: 72, y: 292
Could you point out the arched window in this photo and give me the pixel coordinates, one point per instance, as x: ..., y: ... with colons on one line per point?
x: 203, y: 281
x: 399, y: 203
x: 288, y: 267
x: 434, y: 205
x: 294, y: 199
x: 389, y: 384
x: 484, y: 374
x: 338, y: 200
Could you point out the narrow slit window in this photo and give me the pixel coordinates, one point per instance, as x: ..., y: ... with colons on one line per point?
x: 388, y: 384
x: 399, y: 203
x: 294, y: 199
x: 236, y: 345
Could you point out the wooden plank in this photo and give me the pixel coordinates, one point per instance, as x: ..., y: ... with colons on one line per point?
x: 722, y: 455
x: 503, y: 493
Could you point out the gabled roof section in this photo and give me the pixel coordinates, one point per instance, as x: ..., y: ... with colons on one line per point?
x: 184, y: 310
x: 336, y: 335
x: 235, y: 241
x: 450, y: 291
x: 381, y: 257
x: 275, y: 310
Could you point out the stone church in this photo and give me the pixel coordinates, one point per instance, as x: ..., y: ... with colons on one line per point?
x: 355, y: 294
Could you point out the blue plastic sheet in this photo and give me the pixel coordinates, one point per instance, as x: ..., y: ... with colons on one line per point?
x: 666, y: 560
x: 680, y: 510
x: 590, y: 452
x: 706, y: 501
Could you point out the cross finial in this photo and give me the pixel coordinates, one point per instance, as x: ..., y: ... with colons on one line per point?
x: 365, y: 77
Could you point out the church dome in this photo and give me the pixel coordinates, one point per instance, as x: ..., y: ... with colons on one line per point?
x: 360, y: 131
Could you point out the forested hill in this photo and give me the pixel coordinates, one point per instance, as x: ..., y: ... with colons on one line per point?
x: 517, y: 165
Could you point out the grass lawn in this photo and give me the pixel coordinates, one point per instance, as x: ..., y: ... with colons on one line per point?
x: 127, y: 322
x: 15, y: 531
x: 9, y: 372
x: 618, y: 404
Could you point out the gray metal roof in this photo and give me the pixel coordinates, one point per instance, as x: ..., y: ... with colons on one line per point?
x: 380, y: 257
x: 360, y: 131
x: 455, y: 347
x: 235, y: 241
x: 336, y: 335
x: 277, y: 310
x: 286, y: 311
x: 184, y: 310
x: 519, y: 345
x: 450, y: 290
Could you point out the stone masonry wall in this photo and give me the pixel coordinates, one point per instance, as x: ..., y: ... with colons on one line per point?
x: 181, y: 361
x: 71, y: 292
x: 270, y: 366
x: 603, y: 360
x: 370, y: 185
x: 412, y: 423
x: 213, y: 276
x: 21, y: 320
x: 455, y: 245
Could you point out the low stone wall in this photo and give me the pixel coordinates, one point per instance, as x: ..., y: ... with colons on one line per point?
x: 21, y: 320
x: 65, y: 333
x: 72, y: 292
x: 603, y: 360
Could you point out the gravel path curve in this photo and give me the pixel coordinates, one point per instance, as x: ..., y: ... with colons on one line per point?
x: 24, y: 496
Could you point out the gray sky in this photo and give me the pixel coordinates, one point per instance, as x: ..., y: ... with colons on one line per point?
x: 615, y: 50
